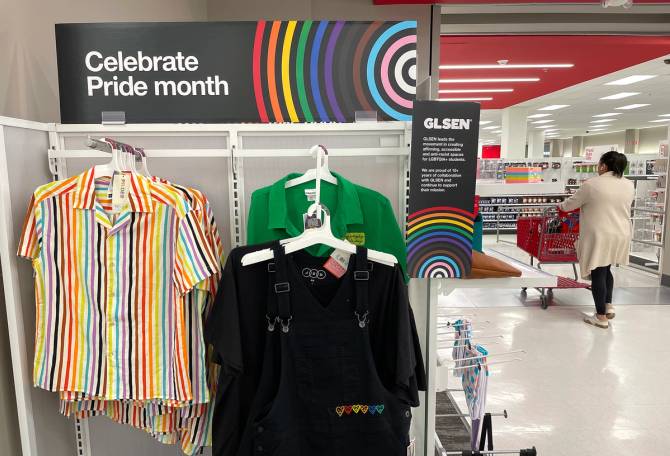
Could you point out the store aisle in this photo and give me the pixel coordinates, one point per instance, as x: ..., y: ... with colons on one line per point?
x: 580, y: 390
x: 487, y: 297
x: 623, y: 277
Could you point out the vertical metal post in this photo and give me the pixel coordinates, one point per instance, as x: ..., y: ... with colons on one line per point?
x: 404, y: 178
x: 57, y: 166
x: 21, y: 369
x: 236, y: 191
x: 433, y: 286
x: 238, y: 198
x: 83, y: 437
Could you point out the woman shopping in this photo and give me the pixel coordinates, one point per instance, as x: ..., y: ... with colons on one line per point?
x: 604, y: 230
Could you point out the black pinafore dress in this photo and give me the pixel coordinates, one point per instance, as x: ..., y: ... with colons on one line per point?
x: 320, y: 393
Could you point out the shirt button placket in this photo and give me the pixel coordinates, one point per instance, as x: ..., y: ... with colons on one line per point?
x: 109, y: 317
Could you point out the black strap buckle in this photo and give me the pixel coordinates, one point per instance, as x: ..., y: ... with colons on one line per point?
x: 282, y: 287
x: 285, y: 324
x: 361, y: 275
x: 362, y: 319
x: 271, y: 267
x: 271, y: 322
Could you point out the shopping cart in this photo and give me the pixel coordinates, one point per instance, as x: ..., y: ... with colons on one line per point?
x: 551, y: 239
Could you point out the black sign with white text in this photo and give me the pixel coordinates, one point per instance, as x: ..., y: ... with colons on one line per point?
x: 264, y: 71
x: 442, y: 189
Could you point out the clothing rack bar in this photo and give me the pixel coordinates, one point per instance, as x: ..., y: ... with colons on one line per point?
x: 487, y: 364
x: 453, y: 322
x: 108, y: 144
x: 525, y: 452
x: 490, y: 355
x: 465, y: 344
x: 98, y: 145
x: 466, y: 415
x: 150, y: 153
x: 497, y: 336
x: 333, y: 152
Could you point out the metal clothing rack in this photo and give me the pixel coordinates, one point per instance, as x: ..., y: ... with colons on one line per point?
x: 526, y: 452
x: 464, y: 416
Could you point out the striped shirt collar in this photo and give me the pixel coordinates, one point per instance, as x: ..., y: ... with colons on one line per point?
x: 139, y: 195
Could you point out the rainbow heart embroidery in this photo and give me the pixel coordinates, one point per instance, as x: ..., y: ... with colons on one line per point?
x: 364, y: 409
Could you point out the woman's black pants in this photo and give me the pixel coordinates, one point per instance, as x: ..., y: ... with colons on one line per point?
x: 602, y: 284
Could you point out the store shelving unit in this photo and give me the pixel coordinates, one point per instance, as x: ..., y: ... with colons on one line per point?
x: 500, y: 213
x: 648, y: 173
x: 501, y: 204
x: 648, y: 213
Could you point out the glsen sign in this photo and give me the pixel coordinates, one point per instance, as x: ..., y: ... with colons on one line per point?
x: 447, y: 124
x: 442, y: 189
x: 274, y: 71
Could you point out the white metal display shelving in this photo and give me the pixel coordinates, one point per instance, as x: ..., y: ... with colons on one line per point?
x: 227, y: 162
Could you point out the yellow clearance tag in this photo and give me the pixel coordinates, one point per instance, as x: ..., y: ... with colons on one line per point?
x: 355, y: 238
x: 120, y: 188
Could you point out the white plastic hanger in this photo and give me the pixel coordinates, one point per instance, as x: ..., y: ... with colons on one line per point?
x: 144, y: 169
x: 108, y: 169
x: 321, y: 235
x: 315, y: 236
x: 128, y: 161
x: 310, y: 174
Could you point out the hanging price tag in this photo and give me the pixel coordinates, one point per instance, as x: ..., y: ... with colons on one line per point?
x: 311, y: 221
x: 310, y: 194
x: 120, y: 187
x: 338, y: 263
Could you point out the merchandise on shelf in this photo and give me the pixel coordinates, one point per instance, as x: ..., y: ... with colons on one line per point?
x: 523, y: 175
x: 495, y: 169
x: 502, y: 212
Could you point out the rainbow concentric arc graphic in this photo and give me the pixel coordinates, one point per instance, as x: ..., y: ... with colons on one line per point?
x: 439, y: 242
x: 325, y: 71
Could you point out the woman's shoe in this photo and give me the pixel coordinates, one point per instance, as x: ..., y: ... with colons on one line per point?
x: 610, y: 312
x: 593, y: 320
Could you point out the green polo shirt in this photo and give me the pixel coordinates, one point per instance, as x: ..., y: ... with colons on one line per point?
x: 358, y: 214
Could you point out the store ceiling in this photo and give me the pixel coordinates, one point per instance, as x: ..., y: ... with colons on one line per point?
x: 584, y: 102
x: 586, y: 58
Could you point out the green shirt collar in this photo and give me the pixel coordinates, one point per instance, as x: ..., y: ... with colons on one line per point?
x: 348, y: 207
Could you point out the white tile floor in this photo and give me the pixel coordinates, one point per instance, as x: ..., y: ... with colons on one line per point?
x: 580, y: 390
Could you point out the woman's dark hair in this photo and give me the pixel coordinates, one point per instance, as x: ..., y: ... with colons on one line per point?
x: 615, y: 162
